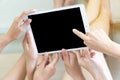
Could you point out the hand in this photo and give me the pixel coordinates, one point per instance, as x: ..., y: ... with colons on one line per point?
x: 19, y: 25
x: 85, y: 60
x: 97, y: 40
x: 71, y: 65
x: 45, y: 68
x: 30, y: 55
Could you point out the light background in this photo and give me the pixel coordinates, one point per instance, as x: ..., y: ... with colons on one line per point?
x: 9, y: 9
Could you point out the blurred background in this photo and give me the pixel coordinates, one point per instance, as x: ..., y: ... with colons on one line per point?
x: 13, y: 8
x: 9, y: 9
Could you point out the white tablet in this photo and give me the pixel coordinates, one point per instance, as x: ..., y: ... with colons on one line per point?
x: 52, y: 29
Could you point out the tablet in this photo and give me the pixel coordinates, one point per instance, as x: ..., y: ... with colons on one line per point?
x: 52, y: 29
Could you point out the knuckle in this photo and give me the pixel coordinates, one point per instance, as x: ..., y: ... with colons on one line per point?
x: 25, y: 12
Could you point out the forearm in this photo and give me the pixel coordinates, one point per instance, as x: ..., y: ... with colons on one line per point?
x: 98, y: 75
x: 113, y: 49
x: 66, y: 76
x: 77, y: 77
x: 18, y: 72
x: 97, y: 72
x: 4, y: 41
x: 80, y: 76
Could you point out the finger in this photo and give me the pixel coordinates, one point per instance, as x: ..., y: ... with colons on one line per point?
x: 66, y: 56
x: 50, y: 57
x: 81, y: 53
x: 45, y: 60
x: 73, y: 54
x: 26, y: 23
x: 78, y: 54
x: 73, y: 58
x: 24, y: 40
x: 25, y: 43
x: 24, y: 14
x: 92, y: 35
x: 86, y: 53
x: 55, y: 60
x: 39, y: 60
x: 29, y: 39
x: 80, y: 34
x: 92, y: 53
x: 58, y: 3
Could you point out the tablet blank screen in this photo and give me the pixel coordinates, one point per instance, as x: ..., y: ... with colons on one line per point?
x: 53, y: 30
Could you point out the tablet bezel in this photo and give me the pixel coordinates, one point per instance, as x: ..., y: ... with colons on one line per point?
x: 85, y: 23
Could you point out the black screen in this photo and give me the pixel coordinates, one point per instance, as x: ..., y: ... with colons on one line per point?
x: 53, y: 30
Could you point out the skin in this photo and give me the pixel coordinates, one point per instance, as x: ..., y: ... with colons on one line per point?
x: 98, y: 13
x: 71, y: 65
x: 18, y: 71
x: 85, y: 60
x: 41, y: 67
x: 46, y: 67
x: 15, y: 30
x: 100, y: 41
x: 57, y: 4
x: 103, y: 16
x: 30, y: 56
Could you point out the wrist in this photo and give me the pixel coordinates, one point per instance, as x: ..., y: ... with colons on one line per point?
x: 97, y: 73
x: 79, y: 76
x: 8, y: 38
x: 4, y: 40
x: 108, y: 47
x: 114, y: 49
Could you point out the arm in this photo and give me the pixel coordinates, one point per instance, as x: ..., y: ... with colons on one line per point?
x: 113, y: 49
x: 15, y: 30
x: 86, y: 60
x: 40, y: 67
x: 18, y: 72
x: 30, y: 55
x: 46, y: 67
x: 99, y: 41
x: 4, y: 40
